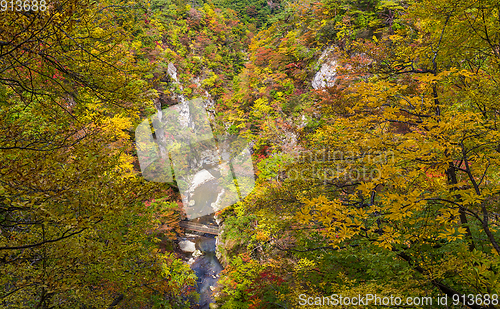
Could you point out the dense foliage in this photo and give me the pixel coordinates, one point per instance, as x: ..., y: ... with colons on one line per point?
x: 375, y: 144
x: 75, y: 229
x: 385, y: 182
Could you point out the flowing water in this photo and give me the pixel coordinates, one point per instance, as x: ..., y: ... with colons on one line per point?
x: 207, y: 269
x: 206, y: 266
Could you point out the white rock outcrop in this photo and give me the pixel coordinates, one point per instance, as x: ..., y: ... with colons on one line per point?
x: 197, y: 253
x: 327, y: 73
x: 200, y: 178
x: 187, y: 246
x: 172, y: 71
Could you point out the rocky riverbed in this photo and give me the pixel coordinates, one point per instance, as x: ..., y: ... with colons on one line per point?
x: 199, y: 249
x: 199, y: 253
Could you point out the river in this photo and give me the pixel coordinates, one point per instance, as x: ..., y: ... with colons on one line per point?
x: 207, y: 269
x: 206, y: 266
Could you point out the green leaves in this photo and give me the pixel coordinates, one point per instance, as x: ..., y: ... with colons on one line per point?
x: 421, y: 99
x: 74, y: 229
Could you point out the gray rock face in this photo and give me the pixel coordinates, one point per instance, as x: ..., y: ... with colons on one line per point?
x: 327, y: 73
x: 200, y: 178
x: 172, y: 71
x: 183, y: 145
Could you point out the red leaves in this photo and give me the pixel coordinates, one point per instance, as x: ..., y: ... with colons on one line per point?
x: 431, y: 174
x: 263, y: 55
x: 270, y: 277
x: 261, y: 154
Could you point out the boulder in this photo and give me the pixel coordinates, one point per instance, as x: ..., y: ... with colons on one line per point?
x: 197, y: 253
x: 187, y: 246
x: 200, y: 178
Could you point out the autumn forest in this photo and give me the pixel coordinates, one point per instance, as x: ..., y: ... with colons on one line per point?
x: 350, y: 148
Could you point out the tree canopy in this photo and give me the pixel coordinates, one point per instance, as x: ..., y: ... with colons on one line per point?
x: 373, y: 128
x: 75, y: 232
x: 392, y: 186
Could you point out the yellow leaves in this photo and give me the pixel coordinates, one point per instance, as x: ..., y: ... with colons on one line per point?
x: 366, y: 188
x: 210, y: 81
x: 321, y: 199
x: 338, y: 223
x: 136, y: 45
x: 158, y: 25
x: 428, y: 79
x: 262, y: 235
x: 388, y: 171
x: 117, y: 126
x: 261, y: 107
x: 390, y: 111
x: 97, y: 32
x: 305, y: 264
x: 452, y: 234
x: 303, y: 216
x: 469, y: 197
x: 126, y: 165
x: 395, y: 37
x: 389, y: 238
x: 448, y: 216
x: 342, y: 30
x: 461, y: 231
x: 467, y: 74
x: 384, y: 244
x: 263, y: 89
